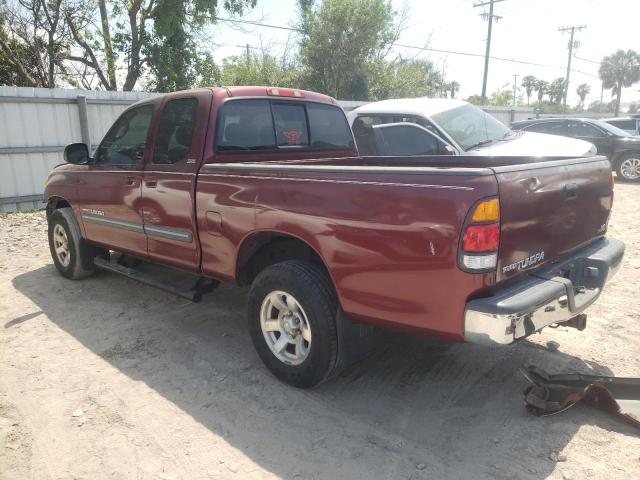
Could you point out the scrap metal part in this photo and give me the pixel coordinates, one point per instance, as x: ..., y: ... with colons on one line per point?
x: 551, y: 394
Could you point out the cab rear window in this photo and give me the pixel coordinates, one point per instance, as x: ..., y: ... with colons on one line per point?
x: 256, y: 124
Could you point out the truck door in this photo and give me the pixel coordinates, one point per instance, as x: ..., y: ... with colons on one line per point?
x: 110, y: 188
x: 169, y: 178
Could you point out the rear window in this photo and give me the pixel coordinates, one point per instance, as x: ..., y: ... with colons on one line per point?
x: 271, y: 125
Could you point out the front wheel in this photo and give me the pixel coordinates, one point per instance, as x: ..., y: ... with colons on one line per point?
x: 628, y: 167
x: 71, y: 254
x: 292, y: 310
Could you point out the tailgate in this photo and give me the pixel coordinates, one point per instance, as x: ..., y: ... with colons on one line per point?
x: 549, y: 209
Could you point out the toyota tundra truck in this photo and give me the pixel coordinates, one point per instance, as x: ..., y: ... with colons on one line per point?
x: 264, y: 187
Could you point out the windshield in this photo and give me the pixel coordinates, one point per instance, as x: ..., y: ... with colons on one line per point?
x: 612, y: 129
x: 471, y: 127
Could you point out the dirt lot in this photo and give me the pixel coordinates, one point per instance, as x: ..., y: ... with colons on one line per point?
x: 105, y: 378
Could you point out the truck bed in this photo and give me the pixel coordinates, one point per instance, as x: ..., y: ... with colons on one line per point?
x: 388, y: 229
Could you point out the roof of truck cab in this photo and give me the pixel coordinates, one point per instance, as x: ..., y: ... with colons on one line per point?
x: 261, y: 91
x: 249, y: 91
x: 423, y: 106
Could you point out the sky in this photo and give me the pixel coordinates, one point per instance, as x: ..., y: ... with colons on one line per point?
x: 527, y: 31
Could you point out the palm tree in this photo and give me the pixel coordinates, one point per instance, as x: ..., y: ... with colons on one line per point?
x: 530, y: 84
x: 582, y: 91
x: 453, y: 87
x: 541, y: 87
x: 555, y: 90
x: 622, y: 69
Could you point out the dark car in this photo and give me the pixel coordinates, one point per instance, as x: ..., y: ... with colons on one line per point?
x: 630, y: 124
x: 622, y: 149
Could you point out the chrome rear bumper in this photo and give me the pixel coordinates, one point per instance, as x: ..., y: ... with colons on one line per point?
x: 554, y: 294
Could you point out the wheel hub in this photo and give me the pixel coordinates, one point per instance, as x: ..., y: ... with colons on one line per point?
x: 285, y: 327
x: 61, y: 245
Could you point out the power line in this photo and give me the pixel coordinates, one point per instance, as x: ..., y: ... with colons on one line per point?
x: 490, y: 17
x: 415, y: 47
x: 571, y: 29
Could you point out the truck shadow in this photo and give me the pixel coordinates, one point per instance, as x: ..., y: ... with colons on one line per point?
x: 415, y: 409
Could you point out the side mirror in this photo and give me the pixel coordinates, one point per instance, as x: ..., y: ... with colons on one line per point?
x: 76, y: 153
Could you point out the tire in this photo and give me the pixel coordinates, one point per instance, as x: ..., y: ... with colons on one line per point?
x: 628, y: 167
x: 75, y: 256
x: 301, y: 364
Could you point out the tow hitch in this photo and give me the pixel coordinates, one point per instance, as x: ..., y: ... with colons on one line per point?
x: 551, y: 394
x: 579, y: 322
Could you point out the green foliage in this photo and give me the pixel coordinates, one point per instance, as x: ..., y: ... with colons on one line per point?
x: 555, y: 90
x: 633, y: 108
x: 173, y: 57
x: 341, y: 43
x: 541, y: 88
x: 600, y: 107
x: 404, y: 78
x: 621, y: 69
x: 501, y: 98
x: 582, y: 91
x: 530, y: 83
x: 259, y: 69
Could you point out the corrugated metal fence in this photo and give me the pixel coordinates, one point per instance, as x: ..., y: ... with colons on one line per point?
x: 37, y: 123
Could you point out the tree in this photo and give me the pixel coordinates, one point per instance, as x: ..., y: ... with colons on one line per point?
x: 555, y: 90
x: 341, y: 41
x: 259, y: 69
x: 172, y: 52
x: 633, y: 108
x: 582, y: 91
x: 541, y: 87
x: 530, y: 83
x: 622, y: 69
x: 453, y: 87
x: 403, y: 78
x: 140, y: 35
x: 38, y: 27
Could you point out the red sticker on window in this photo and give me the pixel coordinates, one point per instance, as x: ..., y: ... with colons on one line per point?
x: 293, y: 137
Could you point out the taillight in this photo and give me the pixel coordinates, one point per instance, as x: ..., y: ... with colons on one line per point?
x: 481, y: 237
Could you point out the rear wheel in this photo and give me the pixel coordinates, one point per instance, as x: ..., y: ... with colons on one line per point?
x: 292, y: 309
x: 72, y: 255
x: 628, y: 167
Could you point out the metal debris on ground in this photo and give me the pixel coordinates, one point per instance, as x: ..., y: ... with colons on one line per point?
x: 551, y: 394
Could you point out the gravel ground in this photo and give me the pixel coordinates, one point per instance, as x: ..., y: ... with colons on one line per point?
x: 106, y: 378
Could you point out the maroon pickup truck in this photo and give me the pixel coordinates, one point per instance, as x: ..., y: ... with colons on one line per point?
x: 264, y: 187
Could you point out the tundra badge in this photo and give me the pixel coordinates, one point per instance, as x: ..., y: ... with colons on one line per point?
x: 524, y: 263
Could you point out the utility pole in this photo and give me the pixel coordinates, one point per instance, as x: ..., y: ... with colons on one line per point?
x: 515, y: 84
x: 571, y: 29
x: 489, y: 17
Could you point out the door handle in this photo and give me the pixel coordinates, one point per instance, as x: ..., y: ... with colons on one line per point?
x: 571, y: 191
x: 130, y: 181
x: 151, y: 182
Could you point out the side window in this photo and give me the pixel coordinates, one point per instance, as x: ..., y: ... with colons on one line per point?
x: 581, y: 129
x: 623, y: 124
x: 553, y: 128
x: 175, y: 131
x: 125, y: 142
x: 245, y: 125
x: 329, y: 127
x: 291, y: 125
x: 406, y: 139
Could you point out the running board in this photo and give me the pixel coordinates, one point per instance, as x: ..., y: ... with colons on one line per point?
x: 194, y: 293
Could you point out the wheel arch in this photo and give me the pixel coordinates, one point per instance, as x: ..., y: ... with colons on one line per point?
x: 261, y: 249
x: 55, y: 202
